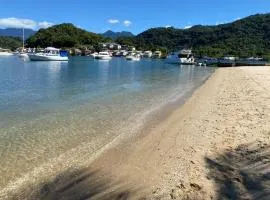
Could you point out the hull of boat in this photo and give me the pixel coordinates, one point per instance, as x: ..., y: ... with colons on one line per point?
x: 179, y: 61
x: 23, y: 55
x: 130, y: 58
x: 103, y: 57
x: 34, y: 57
x: 6, y: 54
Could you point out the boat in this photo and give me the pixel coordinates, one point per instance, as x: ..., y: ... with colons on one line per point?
x: 147, y: 54
x: 207, y: 61
x: 228, y: 61
x: 182, y: 57
x: 103, y: 55
x: 252, y: 61
x: 93, y: 55
x: 22, y: 54
x: 5, y: 52
x: 133, y: 57
x: 156, y: 54
x: 49, y: 54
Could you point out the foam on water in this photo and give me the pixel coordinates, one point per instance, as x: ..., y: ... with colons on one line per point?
x: 57, y: 115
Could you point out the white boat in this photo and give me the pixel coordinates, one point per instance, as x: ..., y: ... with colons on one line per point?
x: 50, y: 54
x: 183, y: 57
x: 5, y: 52
x: 93, y: 55
x: 147, y: 54
x: 103, y: 55
x: 156, y: 54
x: 135, y: 57
x: 22, y: 54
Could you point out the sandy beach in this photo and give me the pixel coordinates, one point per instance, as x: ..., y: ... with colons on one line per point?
x: 215, y: 146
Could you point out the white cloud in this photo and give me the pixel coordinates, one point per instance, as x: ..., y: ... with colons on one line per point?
x: 13, y: 22
x: 127, y: 23
x: 168, y: 26
x: 45, y: 24
x: 187, y: 27
x: 113, y: 21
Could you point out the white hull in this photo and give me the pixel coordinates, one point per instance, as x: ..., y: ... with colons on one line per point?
x: 103, y: 57
x: 180, y: 61
x: 132, y: 58
x: 23, y: 55
x: 6, y: 54
x: 35, y: 57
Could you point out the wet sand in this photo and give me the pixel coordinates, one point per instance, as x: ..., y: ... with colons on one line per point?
x: 215, y: 146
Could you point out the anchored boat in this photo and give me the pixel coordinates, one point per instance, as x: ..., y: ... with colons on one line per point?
x: 182, y: 57
x: 50, y: 54
x: 103, y: 55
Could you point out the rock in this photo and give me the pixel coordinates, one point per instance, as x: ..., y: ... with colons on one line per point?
x: 195, y: 186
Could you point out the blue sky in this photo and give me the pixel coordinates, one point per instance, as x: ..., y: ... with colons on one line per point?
x: 129, y: 15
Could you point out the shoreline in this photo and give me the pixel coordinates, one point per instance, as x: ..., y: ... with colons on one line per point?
x: 170, y: 160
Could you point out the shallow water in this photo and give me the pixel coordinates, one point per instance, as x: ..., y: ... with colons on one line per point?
x: 49, y: 108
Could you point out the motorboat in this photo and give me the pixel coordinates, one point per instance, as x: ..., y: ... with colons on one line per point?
x: 156, y: 54
x: 103, y: 55
x: 228, y: 61
x: 93, y: 55
x: 133, y: 57
x: 5, y: 52
x: 50, y: 54
x: 147, y: 54
x: 182, y: 57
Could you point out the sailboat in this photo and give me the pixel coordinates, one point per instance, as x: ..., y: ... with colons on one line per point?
x: 22, y: 54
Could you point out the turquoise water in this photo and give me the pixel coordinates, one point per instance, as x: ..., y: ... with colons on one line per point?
x: 49, y: 108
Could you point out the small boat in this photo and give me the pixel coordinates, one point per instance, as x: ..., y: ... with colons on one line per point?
x: 22, y: 54
x: 134, y: 57
x: 103, y: 55
x: 252, y: 61
x: 228, y: 61
x: 5, y: 52
x: 49, y: 54
x: 182, y: 57
x: 156, y: 54
x: 93, y: 55
x: 147, y: 54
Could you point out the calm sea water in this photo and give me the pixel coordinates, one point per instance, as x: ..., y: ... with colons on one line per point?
x: 50, y: 111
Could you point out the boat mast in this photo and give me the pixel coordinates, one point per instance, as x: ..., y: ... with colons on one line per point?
x: 23, y: 40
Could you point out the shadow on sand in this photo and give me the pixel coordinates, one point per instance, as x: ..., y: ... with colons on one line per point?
x: 242, y: 173
x: 82, y: 184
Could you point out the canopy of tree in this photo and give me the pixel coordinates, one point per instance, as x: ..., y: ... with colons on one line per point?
x: 10, y: 42
x: 63, y: 35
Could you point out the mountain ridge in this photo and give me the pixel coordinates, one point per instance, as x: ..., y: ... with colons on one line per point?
x: 114, y: 35
x: 17, y: 32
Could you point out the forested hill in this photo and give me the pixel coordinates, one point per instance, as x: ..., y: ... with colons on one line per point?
x: 245, y: 37
x: 12, y: 43
x: 63, y: 35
